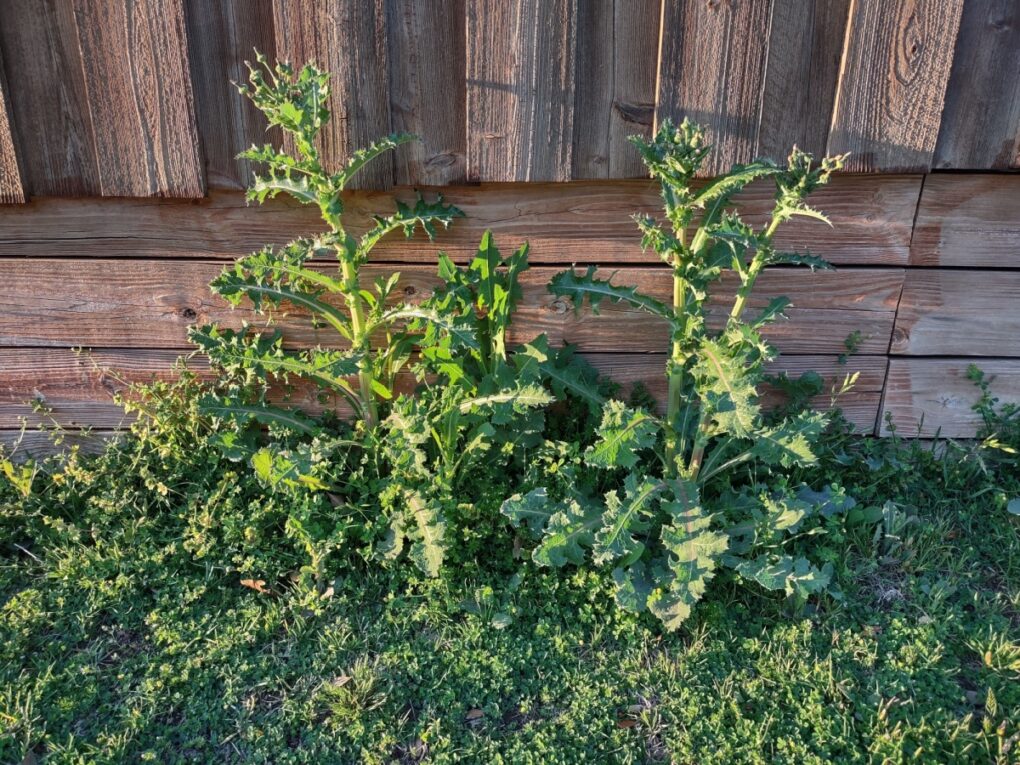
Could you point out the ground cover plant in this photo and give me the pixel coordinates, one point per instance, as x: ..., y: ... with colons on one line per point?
x: 503, y: 565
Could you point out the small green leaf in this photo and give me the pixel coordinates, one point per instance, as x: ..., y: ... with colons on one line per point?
x: 622, y: 434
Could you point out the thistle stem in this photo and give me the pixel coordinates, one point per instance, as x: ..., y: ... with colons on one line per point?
x: 361, y: 342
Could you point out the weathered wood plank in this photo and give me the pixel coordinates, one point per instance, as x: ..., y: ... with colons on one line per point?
x: 933, y: 396
x: 520, y: 89
x: 565, y: 223
x: 615, y: 91
x: 712, y: 70
x: 981, y: 121
x: 222, y: 35
x: 36, y: 444
x: 40, y: 43
x: 11, y: 188
x: 77, y: 389
x: 135, y: 61
x: 969, y: 221
x: 891, y: 89
x: 958, y: 313
x: 139, y: 304
x: 805, y: 49
x: 427, y: 91
x: 348, y: 39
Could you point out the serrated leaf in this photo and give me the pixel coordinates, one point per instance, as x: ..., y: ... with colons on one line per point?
x: 567, y: 534
x: 798, y: 259
x: 622, y: 434
x: 782, y: 572
x: 581, y: 287
x: 624, y: 517
x: 728, y: 393
x: 634, y: 585
x: 267, y: 415
x: 532, y: 510
x: 790, y: 443
x: 428, y: 546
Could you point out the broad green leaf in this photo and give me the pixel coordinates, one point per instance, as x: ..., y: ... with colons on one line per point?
x: 579, y: 287
x: 267, y: 415
x: 532, y: 509
x: 567, y: 534
x: 790, y: 443
x: 782, y: 572
x: 428, y: 546
x: 625, y: 517
x: 724, y: 385
x: 523, y: 397
x: 634, y: 585
x: 622, y: 434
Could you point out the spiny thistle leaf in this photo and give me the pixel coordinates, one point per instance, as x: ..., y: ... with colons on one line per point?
x: 428, y: 541
x: 625, y: 517
x: 798, y: 259
x: 267, y: 415
x: 532, y: 510
x: 728, y: 394
x: 790, y: 442
x: 782, y: 572
x: 363, y: 156
x: 407, y: 218
x: 568, y: 533
x: 622, y: 434
x: 578, y: 287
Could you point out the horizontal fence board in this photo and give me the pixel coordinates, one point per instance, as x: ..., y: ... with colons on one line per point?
x: 36, y: 444
x: 77, y: 389
x: 135, y: 59
x: 584, y: 222
x: 981, y: 120
x: 929, y: 396
x: 970, y: 221
x: 895, y: 68
x: 151, y: 304
x: 46, y: 87
x: 958, y: 313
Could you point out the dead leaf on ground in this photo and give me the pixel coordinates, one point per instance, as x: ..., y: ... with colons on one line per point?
x: 474, y: 716
x: 259, y: 585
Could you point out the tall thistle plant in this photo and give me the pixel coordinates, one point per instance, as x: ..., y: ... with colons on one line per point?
x: 274, y: 278
x: 683, y: 512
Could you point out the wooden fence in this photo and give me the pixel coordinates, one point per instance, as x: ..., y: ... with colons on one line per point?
x: 119, y: 130
x: 132, y: 97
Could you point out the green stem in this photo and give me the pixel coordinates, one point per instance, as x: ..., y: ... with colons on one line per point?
x: 754, y: 270
x: 361, y: 341
x: 676, y: 372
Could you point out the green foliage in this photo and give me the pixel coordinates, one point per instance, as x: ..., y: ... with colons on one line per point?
x: 671, y: 528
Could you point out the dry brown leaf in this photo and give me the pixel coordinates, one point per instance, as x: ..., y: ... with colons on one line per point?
x: 625, y: 722
x: 475, y: 714
x: 259, y: 585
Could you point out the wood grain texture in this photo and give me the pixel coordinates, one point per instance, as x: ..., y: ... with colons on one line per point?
x: 970, y: 221
x: 150, y: 304
x: 135, y: 61
x: 222, y: 35
x: 617, y: 44
x: 348, y: 39
x: 712, y: 70
x: 889, y: 100
x: 981, y: 120
x: 427, y: 91
x: 40, y: 44
x: 958, y: 313
x: 565, y: 223
x: 520, y: 89
x: 77, y: 389
x: 933, y: 396
x: 11, y: 188
x: 36, y: 444
x: 805, y: 50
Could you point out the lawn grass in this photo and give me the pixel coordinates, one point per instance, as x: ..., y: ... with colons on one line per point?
x: 127, y: 635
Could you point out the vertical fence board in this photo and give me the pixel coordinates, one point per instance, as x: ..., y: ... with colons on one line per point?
x: 520, y: 89
x: 348, y: 39
x: 135, y: 61
x: 981, y: 121
x: 805, y: 49
x: 47, y: 88
x: 712, y: 70
x: 617, y: 45
x: 427, y: 94
x: 11, y: 189
x: 890, y: 96
x: 222, y: 35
